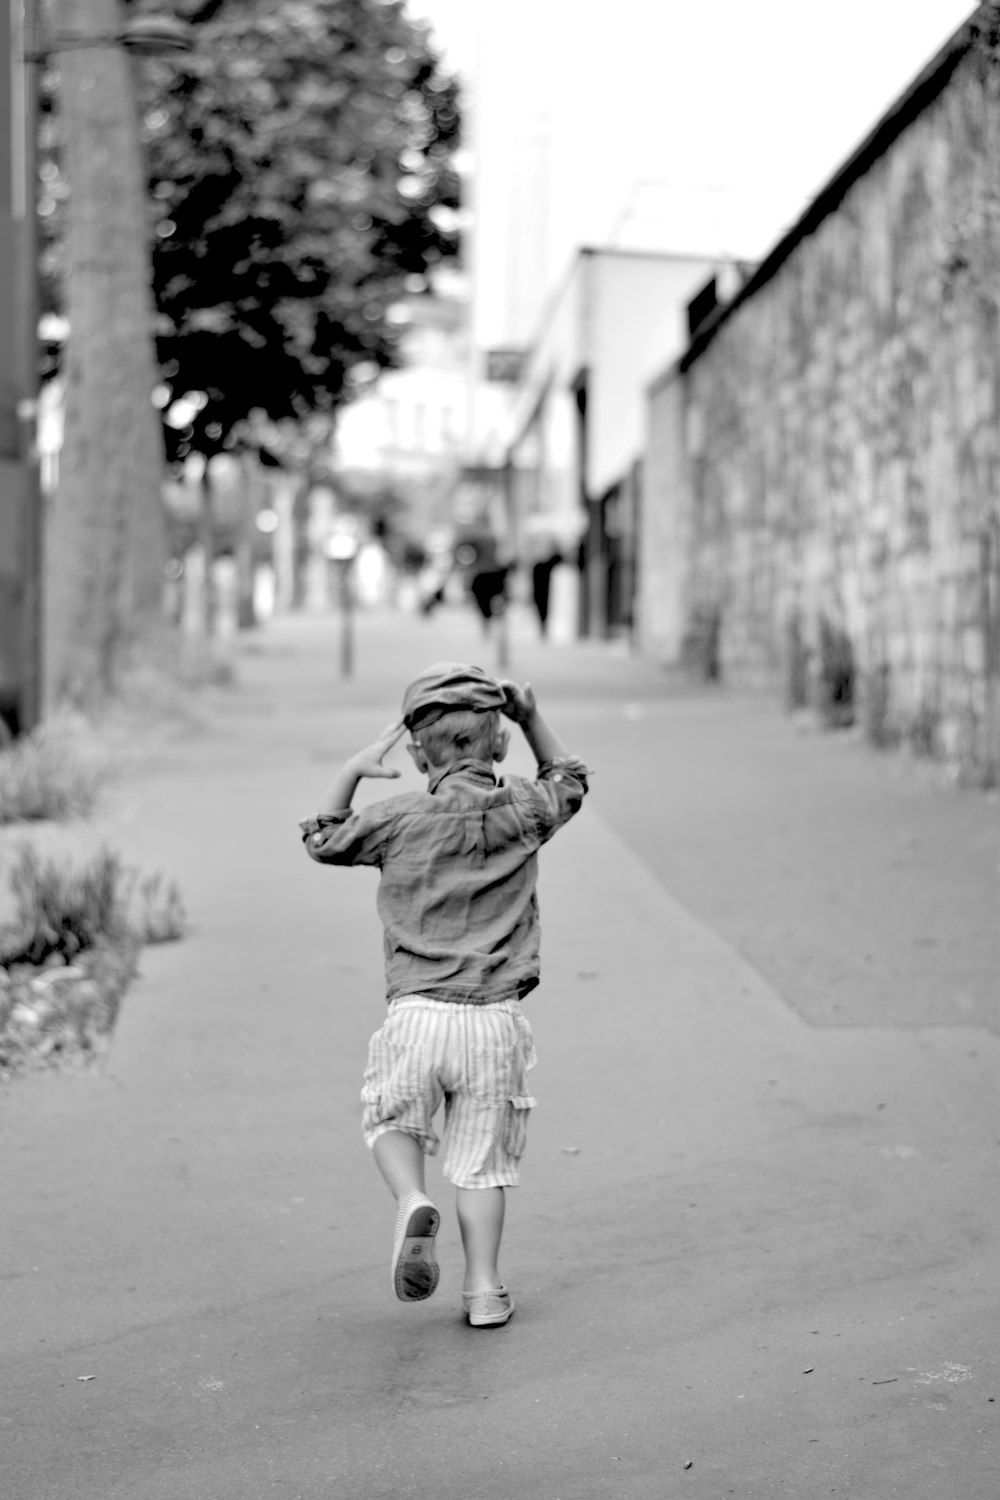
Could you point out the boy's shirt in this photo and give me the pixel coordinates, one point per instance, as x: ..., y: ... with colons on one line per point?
x: 459, y: 865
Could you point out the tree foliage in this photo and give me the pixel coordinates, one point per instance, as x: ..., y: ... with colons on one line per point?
x: 301, y: 178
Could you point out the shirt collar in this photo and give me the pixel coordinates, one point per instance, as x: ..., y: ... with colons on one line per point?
x: 480, y: 772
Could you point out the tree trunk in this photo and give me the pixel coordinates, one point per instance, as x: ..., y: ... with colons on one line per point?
x: 106, y: 542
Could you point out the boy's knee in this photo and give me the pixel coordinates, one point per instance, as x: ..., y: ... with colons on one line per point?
x: 378, y: 1130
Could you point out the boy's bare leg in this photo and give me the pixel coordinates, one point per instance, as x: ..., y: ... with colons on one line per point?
x: 480, y: 1218
x: 400, y: 1159
x: 414, y: 1268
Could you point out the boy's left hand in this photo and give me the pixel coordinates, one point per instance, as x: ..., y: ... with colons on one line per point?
x: 368, y: 762
x: 520, y: 704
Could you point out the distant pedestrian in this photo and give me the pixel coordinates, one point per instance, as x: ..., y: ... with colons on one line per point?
x: 486, y: 575
x: 489, y: 592
x: 458, y: 904
x: 541, y: 585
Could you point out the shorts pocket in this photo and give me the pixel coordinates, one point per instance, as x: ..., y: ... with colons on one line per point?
x: 515, y: 1126
x: 394, y: 1078
x: 489, y: 1074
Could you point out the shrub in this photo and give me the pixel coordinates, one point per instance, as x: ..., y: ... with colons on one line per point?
x: 166, y: 674
x: 796, y: 663
x: 879, y: 727
x: 700, y: 647
x: 836, y: 675
x: 56, y: 772
x: 61, y: 911
x: 156, y: 911
x: 924, y: 730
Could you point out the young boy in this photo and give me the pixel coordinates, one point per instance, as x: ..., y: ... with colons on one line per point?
x: 457, y: 901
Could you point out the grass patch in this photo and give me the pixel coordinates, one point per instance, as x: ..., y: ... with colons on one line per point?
x: 62, y: 1015
x: 60, y: 770
x: 155, y: 909
x: 56, y: 772
x: 71, y: 952
x: 61, y: 911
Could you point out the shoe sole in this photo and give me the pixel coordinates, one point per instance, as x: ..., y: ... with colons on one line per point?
x: 415, y: 1271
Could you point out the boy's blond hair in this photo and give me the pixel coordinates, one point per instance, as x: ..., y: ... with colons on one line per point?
x: 459, y: 735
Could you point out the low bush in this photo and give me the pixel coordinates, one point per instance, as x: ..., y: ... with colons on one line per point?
x: 166, y: 675
x: 797, y: 658
x: 70, y: 954
x: 877, y: 718
x: 57, y: 772
x: 61, y: 912
x: 155, y: 910
x: 62, y: 1015
x: 837, y: 675
x: 700, y: 647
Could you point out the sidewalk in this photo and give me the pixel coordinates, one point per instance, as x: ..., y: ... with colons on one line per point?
x: 756, y: 1234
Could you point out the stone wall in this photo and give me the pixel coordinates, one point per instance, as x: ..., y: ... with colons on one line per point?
x: 830, y: 487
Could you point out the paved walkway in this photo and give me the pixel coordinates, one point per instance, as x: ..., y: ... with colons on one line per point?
x: 757, y: 1233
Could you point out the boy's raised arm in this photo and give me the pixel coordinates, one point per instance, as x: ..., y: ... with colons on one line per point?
x: 367, y: 762
x: 544, y: 743
x: 562, y: 777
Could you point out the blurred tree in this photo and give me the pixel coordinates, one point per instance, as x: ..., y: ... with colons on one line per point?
x: 302, y: 179
x: 381, y: 502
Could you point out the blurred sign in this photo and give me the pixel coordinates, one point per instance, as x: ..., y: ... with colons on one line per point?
x: 504, y: 366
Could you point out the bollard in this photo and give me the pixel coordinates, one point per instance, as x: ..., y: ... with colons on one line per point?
x: 344, y: 568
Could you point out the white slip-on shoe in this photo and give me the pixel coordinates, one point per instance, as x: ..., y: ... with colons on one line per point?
x: 488, y: 1309
x: 415, y: 1270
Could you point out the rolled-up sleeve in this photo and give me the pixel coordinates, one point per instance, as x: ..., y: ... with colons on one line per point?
x: 346, y: 838
x: 560, y: 789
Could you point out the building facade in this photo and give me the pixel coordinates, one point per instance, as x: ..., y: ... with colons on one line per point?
x: 410, y: 431
x: 823, y: 465
x: 576, y: 424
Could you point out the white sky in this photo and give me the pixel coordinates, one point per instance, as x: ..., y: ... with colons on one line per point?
x: 701, y: 126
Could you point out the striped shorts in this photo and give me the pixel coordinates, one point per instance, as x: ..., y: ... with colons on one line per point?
x: 474, y: 1058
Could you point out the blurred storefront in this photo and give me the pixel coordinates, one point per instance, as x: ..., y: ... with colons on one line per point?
x: 575, y: 429
x: 408, y: 434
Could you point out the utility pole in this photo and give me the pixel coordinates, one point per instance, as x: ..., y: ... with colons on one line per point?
x: 342, y: 549
x: 20, y: 507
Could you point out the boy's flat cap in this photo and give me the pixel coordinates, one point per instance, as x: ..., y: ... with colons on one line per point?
x: 448, y: 685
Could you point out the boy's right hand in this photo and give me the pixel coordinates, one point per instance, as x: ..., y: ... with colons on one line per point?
x: 520, y: 704
x: 368, y: 762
